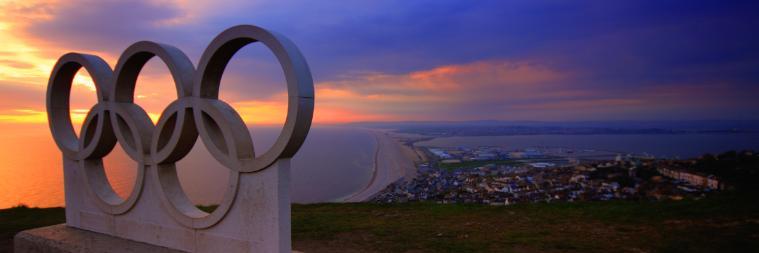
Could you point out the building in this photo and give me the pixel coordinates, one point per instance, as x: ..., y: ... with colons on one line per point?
x: 692, y: 178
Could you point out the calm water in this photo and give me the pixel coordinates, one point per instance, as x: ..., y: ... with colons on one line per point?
x: 662, y: 146
x: 333, y: 162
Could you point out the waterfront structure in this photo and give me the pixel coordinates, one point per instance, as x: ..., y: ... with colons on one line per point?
x: 692, y: 178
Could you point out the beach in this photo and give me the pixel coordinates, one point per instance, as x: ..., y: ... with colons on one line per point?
x: 393, y: 161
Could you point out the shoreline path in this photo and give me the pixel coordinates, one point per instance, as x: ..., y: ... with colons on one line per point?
x: 392, y: 162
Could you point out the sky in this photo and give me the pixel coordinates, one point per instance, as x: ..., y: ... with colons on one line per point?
x: 412, y: 60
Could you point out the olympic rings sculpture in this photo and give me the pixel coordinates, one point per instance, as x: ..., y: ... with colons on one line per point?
x: 197, y: 111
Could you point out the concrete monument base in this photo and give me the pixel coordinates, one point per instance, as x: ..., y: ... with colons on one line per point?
x: 64, y: 239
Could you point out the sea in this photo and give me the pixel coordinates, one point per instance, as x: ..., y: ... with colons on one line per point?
x: 657, y: 145
x: 333, y: 162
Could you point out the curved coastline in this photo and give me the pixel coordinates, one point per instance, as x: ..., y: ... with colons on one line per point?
x: 390, y: 165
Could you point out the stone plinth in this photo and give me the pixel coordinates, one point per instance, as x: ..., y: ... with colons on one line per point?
x: 63, y: 239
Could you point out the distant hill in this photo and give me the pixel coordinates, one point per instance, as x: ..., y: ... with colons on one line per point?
x: 494, y: 127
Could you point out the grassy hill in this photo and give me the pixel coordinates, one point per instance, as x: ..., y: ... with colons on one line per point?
x: 726, y: 223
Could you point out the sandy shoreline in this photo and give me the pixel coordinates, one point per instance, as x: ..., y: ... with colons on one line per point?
x: 392, y: 162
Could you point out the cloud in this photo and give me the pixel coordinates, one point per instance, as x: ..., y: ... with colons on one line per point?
x: 24, y: 116
x: 527, y: 91
x: 100, y: 26
x: 429, y: 60
x: 440, y: 92
x: 465, y: 91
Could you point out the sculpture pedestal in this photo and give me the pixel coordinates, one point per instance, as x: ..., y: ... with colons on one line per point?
x: 63, y: 239
x: 258, y: 221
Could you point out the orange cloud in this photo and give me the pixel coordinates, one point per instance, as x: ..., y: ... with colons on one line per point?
x: 443, y: 92
x: 38, y: 117
x: 24, y: 116
x: 336, y: 115
x: 270, y: 112
x: 512, y: 73
x: 421, y: 95
x: 22, y: 62
x: 332, y: 107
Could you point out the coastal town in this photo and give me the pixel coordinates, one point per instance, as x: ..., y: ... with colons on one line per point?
x: 495, y: 176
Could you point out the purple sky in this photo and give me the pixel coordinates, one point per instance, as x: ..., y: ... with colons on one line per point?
x: 429, y: 60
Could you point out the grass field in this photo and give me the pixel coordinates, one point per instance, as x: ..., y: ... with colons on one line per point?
x: 716, y: 224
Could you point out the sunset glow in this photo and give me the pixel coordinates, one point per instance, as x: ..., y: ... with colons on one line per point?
x: 541, y: 83
x: 320, y: 126
x: 512, y: 105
